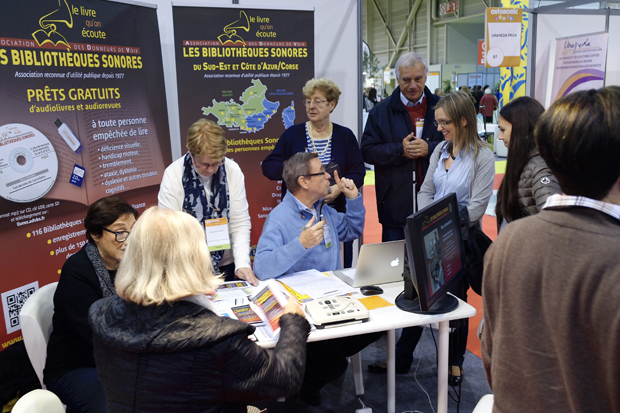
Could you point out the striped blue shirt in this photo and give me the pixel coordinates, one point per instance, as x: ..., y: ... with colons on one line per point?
x: 323, y: 147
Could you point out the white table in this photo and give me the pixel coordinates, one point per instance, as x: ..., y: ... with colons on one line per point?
x: 389, y: 319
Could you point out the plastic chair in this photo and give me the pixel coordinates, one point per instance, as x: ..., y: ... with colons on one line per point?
x: 39, y: 401
x: 485, y: 405
x: 35, y: 318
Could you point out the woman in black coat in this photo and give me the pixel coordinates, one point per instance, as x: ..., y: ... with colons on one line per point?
x: 161, y: 347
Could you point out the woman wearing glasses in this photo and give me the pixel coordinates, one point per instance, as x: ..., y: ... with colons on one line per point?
x: 333, y: 143
x: 466, y: 166
x: 209, y: 186
x: 87, y: 276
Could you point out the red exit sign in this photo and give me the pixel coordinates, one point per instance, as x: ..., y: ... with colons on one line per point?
x: 449, y: 7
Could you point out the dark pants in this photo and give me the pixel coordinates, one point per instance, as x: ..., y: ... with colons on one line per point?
x: 327, y: 360
x: 392, y: 233
x: 80, y: 390
x: 458, y: 343
x: 348, y: 254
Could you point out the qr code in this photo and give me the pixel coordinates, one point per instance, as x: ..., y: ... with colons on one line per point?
x: 12, y: 303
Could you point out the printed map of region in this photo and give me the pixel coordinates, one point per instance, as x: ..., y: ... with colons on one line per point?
x: 253, y: 113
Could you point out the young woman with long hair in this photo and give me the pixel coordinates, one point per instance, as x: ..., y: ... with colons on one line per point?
x: 528, y: 182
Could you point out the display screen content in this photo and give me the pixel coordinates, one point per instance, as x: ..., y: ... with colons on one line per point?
x: 435, y: 256
x: 443, y: 256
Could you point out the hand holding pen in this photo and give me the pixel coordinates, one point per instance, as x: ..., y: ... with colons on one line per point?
x: 312, y: 234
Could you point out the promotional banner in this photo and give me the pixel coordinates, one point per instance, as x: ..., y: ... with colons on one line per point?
x: 503, y: 37
x: 513, y: 79
x: 82, y: 116
x: 244, y: 69
x: 481, y: 52
x: 579, y: 64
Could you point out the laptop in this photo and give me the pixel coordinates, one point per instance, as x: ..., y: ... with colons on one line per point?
x: 379, y: 263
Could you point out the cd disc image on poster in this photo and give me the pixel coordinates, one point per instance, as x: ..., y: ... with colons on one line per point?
x: 28, y: 163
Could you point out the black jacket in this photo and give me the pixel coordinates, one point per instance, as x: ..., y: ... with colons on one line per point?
x: 181, y: 357
x: 70, y: 344
x: 382, y: 146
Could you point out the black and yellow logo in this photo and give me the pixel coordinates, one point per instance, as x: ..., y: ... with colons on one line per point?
x: 230, y: 31
x: 48, y: 32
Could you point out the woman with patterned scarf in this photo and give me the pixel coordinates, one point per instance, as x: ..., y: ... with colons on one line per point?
x: 211, y: 187
x: 86, y: 277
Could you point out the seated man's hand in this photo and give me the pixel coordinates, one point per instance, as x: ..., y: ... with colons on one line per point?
x: 247, y: 274
x: 312, y: 235
x: 347, y: 186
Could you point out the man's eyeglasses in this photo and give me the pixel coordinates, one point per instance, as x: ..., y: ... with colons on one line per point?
x: 323, y: 172
x: 316, y: 102
x: 207, y: 165
x: 119, y: 236
x: 443, y: 123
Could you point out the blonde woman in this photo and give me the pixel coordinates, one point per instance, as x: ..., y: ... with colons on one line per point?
x: 161, y: 347
x: 463, y: 165
x: 208, y: 185
x: 332, y: 142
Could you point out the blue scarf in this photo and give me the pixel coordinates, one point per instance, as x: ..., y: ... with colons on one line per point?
x: 195, y: 199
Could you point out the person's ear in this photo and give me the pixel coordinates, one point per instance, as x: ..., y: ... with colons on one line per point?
x: 463, y: 122
x: 96, y: 238
x: 302, y: 182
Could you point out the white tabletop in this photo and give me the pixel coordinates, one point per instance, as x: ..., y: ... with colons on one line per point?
x: 386, y: 318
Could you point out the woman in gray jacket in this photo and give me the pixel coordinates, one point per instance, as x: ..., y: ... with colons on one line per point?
x: 528, y: 182
x: 462, y: 164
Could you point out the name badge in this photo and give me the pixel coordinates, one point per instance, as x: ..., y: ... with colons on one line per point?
x: 217, y: 234
x: 327, y: 237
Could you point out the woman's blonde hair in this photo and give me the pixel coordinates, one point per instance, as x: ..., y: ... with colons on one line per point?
x: 166, y: 259
x: 326, y: 86
x: 457, y: 106
x: 206, y: 137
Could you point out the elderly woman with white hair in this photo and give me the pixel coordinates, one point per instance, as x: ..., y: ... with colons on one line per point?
x: 488, y: 105
x: 161, y: 347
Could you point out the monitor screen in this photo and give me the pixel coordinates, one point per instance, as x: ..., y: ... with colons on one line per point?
x: 435, y: 253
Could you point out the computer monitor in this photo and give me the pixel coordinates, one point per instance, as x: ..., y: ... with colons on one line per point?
x: 435, y: 257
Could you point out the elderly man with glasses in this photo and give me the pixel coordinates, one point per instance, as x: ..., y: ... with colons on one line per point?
x: 211, y: 187
x: 303, y: 233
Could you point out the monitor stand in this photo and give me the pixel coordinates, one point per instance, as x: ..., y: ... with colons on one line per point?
x: 409, y: 301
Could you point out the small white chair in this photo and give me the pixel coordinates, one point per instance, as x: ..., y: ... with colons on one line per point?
x: 35, y: 318
x: 39, y: 401
x: 485, y: 405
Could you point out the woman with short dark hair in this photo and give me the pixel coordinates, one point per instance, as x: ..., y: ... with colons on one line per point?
x: 86, y: 277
